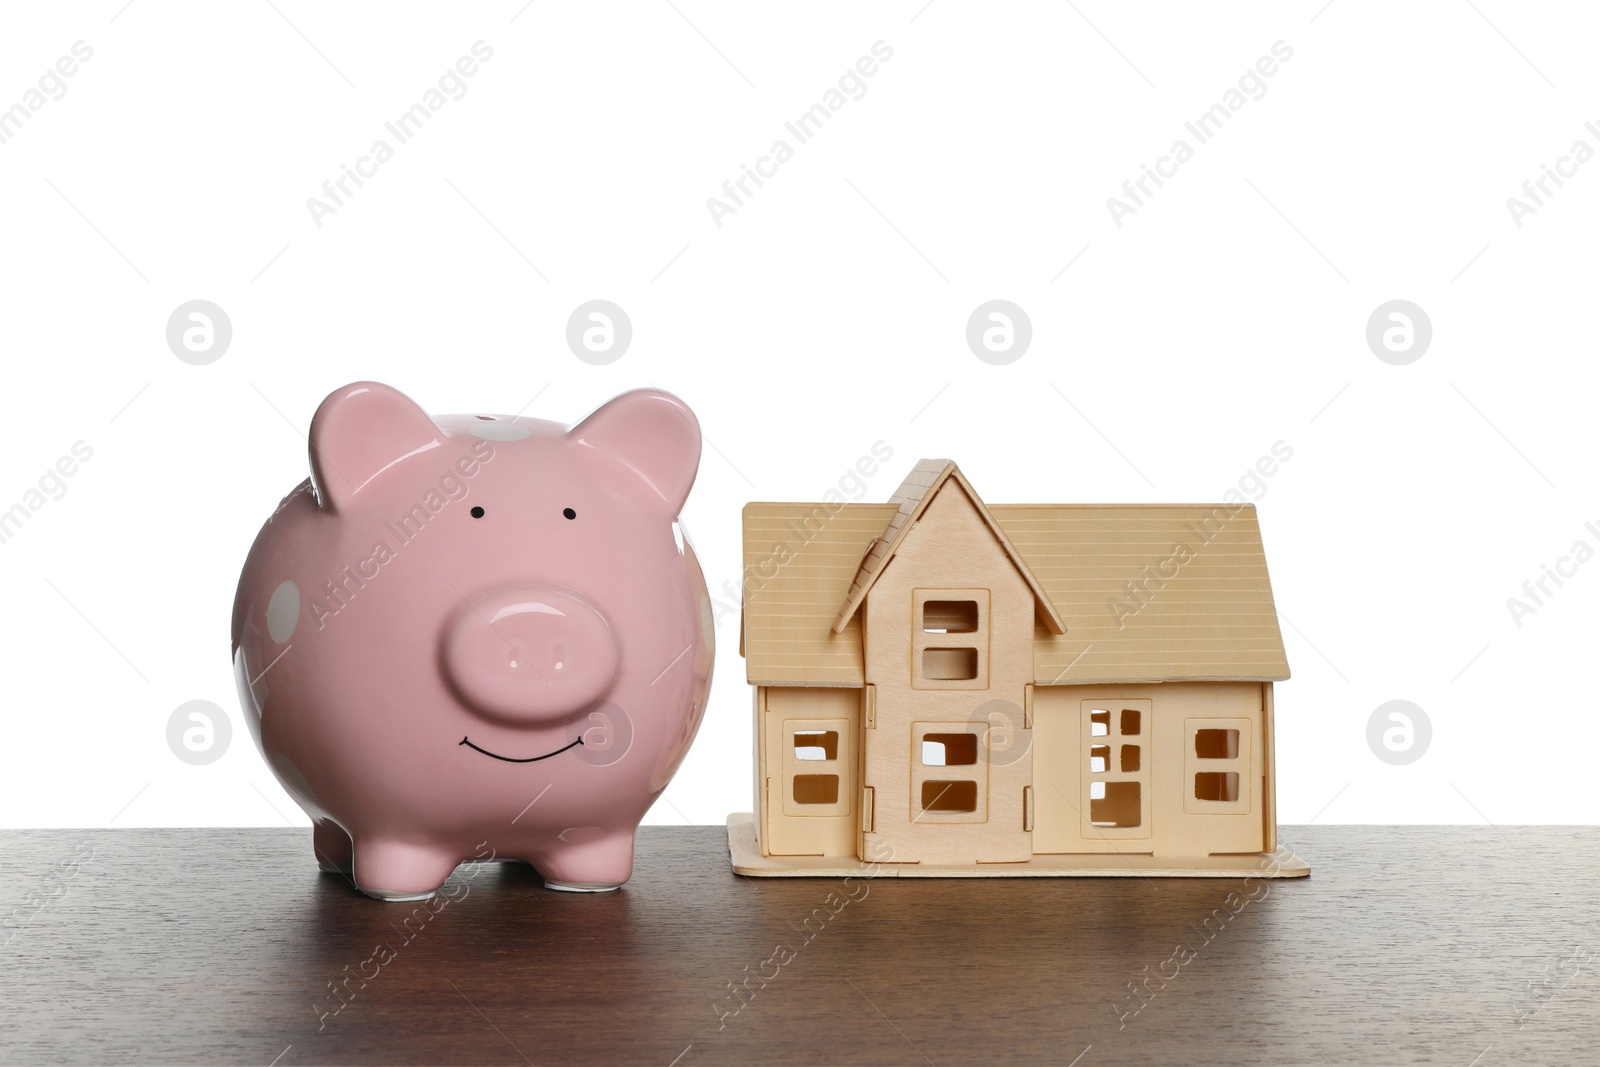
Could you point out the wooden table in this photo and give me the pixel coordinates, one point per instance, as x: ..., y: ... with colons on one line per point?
x: 1440, y: 945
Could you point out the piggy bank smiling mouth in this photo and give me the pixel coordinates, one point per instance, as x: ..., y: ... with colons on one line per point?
x: 509, y: 759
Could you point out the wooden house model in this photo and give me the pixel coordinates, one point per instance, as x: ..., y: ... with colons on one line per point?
x: 949, y: 688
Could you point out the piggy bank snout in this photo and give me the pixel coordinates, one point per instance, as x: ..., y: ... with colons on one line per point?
x: 529, y: 655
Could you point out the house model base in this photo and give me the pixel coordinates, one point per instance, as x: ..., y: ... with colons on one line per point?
x: 945, y: 688
x: 748, y: 860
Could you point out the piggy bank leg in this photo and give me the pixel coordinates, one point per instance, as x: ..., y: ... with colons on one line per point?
x: 332, y: 846
x: 398, y: 871
x: 597, y: 866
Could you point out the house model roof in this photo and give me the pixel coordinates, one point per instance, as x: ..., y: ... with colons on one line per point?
x: 921, y: 486
x: 1127, y: 593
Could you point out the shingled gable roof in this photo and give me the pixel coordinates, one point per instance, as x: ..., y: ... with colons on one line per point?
x: 1201, y: 607
x: 913, y: 496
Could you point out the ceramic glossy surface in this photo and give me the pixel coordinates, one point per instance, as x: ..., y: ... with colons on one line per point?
x: 478, y: 636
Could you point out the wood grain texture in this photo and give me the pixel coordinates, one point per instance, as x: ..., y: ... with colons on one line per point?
x: 1407, y: 945
x: 1205, y: 613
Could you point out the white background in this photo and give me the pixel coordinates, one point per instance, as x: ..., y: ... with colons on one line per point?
x: 827, y: 313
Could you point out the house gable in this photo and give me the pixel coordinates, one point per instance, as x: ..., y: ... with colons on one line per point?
x: 949, y: 558
x: 949, y: 626
x: 927, y: 479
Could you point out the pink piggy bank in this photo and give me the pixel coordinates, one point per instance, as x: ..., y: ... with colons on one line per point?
x: 478, y: 635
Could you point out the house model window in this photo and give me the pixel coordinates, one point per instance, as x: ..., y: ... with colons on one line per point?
x: 950, y: 796
x: 1217, y: 765
x: 949, y: 750
x: 948, y: 783
x: 817, y: 768
x: 949, y: 616
x: 1216, y: 785
x: 1116, y: 735
x: 950, y: 639
x: 816, y: 789
x: 816, y: 746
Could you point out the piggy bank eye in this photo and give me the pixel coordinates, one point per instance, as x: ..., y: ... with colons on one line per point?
x: 569, y: 513
x: 477, y: 513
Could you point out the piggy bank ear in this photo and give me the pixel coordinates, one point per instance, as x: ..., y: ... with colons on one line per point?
x: 654, y: 434
x: 361, y: 431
